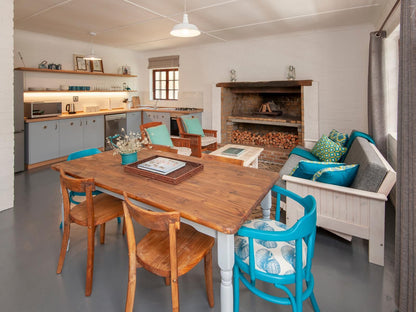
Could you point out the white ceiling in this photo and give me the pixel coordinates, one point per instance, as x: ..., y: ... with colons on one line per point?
x: 145, y: 24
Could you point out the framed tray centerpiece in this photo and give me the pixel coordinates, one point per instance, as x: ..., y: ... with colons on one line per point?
x: 165, y: 169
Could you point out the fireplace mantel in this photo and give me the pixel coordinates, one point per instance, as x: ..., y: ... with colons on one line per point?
x: 283, y: 86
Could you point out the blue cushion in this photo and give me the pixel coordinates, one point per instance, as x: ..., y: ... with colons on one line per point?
x: 354, y: 134
x: 306, y: 168
x: 327, y: 150
x: 338, y: 137
x: 342, y: 175
x: 193, y: 126
x: 159, y: 135
x: 273, y: 257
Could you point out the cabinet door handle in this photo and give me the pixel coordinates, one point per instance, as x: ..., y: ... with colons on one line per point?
x: 44, y: 127
x: 80, y: 123
x: 72, y: 123
x: 93, y: 120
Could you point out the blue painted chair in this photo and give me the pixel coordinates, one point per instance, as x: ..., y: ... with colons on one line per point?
x: 76, y: 155
x: 266, y: 250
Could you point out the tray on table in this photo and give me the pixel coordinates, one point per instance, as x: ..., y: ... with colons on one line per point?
x: 175, y: 177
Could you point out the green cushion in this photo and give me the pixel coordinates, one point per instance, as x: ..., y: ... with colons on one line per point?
x: 193, y: 126
x: 327, y: 150
x: 306, y: 168
x: 338, y: 137
x: 159, y: 135
x: 342, y: 175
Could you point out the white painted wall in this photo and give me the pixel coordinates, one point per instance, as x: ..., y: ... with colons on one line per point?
x: 336, y: 58
x: 6, y: 105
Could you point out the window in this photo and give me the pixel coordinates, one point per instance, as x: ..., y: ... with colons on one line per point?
x: 165, y: 84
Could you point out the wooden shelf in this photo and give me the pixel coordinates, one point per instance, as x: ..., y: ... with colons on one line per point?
x: 82, y: 91
x: 44, y: 70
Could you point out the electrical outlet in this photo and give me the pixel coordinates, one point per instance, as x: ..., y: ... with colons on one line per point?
x: 75, y: 98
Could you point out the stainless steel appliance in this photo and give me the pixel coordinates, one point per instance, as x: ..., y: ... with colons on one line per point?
x: 42, y: 109
x: 70, y: 108
x: 174, y: 129
x: 19, y: 123
x: 113, y: 125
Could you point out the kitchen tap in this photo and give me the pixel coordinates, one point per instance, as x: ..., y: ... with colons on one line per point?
x: 155, y: 106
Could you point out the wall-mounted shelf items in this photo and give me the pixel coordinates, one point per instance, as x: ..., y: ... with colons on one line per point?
x: 29, y: 69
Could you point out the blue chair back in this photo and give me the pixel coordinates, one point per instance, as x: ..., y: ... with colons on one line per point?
x: 83, y: 153
x: 265, y: 246
x: 76, y: 155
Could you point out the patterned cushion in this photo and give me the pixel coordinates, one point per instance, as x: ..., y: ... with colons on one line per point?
x: 338, y: 137
x: 186, y: 151
x: 342, y: 175
x: 307, y: 168
x: 270, y: 256
x: 327, y: 150
x: 207, y: 140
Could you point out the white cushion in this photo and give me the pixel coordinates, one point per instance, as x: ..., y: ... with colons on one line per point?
x: 207, y: 140
x: 185, y: 151
x: 272, y: 257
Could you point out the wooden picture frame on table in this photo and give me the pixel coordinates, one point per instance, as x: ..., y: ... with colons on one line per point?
x: 80, y: 64
x: 97, y: 66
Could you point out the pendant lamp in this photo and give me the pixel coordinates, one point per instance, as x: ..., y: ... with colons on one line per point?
x: 92, y: 56
x: 185, y: 29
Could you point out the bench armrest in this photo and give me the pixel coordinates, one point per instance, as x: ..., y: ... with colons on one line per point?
x: 334, y: 188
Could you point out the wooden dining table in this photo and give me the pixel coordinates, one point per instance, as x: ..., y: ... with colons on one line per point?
x: 215, y: 201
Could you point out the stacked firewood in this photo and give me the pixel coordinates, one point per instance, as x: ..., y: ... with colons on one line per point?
x: 272, y: 139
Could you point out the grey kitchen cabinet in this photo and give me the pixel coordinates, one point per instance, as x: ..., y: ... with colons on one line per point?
x: 42, y: 141
x: 157, y: 116
x: 93, y: 132
x: 70, y: 136
x: 80, y: 133
x: 134, y: 120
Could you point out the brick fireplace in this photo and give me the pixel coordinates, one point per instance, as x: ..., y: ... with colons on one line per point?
x: 269, y: 114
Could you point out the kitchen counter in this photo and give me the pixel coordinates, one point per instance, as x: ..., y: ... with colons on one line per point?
x: 171, y: 110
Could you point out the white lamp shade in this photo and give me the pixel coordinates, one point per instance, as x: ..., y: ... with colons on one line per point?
x: 92, y: 57
x: 185, y: 29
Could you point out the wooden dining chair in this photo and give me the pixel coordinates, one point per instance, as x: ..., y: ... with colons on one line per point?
x: 94, y: 211
x: 201, y: 139
x: 170, y: 249
x: 229, y: 160
x: 159, y: 138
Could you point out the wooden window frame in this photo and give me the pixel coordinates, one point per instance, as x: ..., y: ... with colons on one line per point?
x: 166, y: 83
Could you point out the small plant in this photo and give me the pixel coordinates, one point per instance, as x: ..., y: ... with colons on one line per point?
x: 126, y: 143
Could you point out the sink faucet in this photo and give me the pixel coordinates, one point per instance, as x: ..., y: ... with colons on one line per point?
x: 155, y: 106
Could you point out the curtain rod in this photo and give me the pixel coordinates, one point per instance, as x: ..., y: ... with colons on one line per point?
x: 388, y: 16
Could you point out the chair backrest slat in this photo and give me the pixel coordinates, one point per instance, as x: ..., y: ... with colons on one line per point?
x: 152, y: 220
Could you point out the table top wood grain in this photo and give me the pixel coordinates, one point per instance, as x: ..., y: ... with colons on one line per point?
x: 220, y: 197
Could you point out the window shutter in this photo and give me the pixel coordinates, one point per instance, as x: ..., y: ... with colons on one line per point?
x: 163, y: 61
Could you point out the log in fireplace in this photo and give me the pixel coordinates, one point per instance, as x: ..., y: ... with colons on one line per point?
x: 266, y: 113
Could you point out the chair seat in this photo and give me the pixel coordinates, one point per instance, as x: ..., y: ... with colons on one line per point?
x: 192, y: 246
x: 106, y: 207
x: 272, y: 257
x: 185, y: 151
x: 208, y: 140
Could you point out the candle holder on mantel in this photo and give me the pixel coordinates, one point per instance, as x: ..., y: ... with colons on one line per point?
x: 291, y: 74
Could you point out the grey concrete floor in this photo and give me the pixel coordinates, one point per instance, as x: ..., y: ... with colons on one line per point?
x: 30, y: 241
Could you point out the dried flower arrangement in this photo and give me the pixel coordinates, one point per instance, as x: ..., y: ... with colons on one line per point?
x: 126, y: 143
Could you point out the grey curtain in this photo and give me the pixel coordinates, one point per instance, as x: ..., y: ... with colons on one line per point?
x: 405, y: 277
x: 377, y: 127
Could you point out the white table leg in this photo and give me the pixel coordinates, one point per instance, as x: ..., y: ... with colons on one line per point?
x: 266, y: 204
x: 225, y: 244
